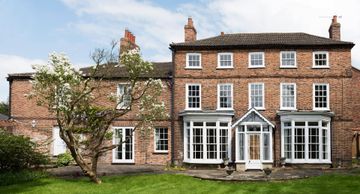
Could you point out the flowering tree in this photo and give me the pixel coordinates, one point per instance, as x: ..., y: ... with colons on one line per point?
x: 72, y: 96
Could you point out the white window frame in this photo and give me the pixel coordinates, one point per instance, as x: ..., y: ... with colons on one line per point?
x: 218, y: 96
x: 219, y: 62
x: 155, y: 143
x: 306, y: 159
x: 263, y: 95
x: 281, y: 97
x: 121, y: 105
x: 327, y: 59
x: 204, y: 160
x: 187, y: 96
x: 327, y: 97
x: 187, y: 61
x: 281, y: 60
x: 256, y: 66
x: 114, y: 160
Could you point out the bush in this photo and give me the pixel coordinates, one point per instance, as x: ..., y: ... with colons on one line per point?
x: 64, y: 159
x: 15, y: 177
x: 18, y: 152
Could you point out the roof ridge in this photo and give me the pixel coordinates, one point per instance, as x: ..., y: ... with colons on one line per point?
x: 246, y: 39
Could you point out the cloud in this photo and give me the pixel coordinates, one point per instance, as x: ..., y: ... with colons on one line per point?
x: 156, y: 25
x: 14, y: 64
x: 307, y: 16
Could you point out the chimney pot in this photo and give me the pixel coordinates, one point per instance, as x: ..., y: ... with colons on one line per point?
x: 222, y: 33
x: 190, y: 22
x: 334, y: 20
x: 127, y: 42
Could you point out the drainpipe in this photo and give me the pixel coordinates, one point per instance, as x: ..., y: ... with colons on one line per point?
x: 10, y: 84
x: 172, y: 84
x: 357, y: 146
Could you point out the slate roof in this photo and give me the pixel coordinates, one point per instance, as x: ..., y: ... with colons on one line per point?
x: 161, y: 70
x: 261, y: 40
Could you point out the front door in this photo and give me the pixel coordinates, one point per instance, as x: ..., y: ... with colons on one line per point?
x: 254, y: 150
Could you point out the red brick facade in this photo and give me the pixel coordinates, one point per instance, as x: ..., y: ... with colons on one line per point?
x: 25, y: 112
x: 344, y: 96
x: 338, y: 76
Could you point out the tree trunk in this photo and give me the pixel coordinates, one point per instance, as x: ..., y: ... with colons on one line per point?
x: 89, y: 170
x: 94, y: 178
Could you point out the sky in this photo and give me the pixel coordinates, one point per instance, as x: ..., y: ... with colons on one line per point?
x: 31, y: 29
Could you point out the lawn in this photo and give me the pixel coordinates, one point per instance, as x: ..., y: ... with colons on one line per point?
x: 171, y: 183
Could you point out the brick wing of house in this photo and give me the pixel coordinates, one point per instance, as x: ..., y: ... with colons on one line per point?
x: 257, y: 98
x: 254, y: 98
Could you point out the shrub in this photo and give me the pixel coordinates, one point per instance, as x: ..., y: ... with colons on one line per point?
x: 16, y: 177
x: 64, y: 159
x: 18, y: 152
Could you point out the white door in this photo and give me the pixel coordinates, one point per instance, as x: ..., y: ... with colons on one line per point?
x: 253, y: 151
x: 59, y: 146
x: 125, y: 152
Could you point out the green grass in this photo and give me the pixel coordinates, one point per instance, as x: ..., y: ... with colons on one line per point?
x: 169, y: 183
x: 16, y: 177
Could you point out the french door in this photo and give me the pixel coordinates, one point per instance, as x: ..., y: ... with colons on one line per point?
x: 124, y: 153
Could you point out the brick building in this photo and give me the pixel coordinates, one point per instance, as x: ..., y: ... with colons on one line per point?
x: 251, y: 97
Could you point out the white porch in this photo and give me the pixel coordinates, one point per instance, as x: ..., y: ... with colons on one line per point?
x: 253, y: 141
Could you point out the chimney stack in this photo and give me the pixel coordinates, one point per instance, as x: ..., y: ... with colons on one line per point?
x: 334, y: 30
x: 127, y: 42
x: 190, y: 31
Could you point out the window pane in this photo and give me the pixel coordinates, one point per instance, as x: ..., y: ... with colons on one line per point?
x: 288, y: 59
x: 325, y: 155
x: 288, y: 95
x: 188, y: 142
x: 223, y: 143
x: 198, y: 143
x: 193, y: 96
x: 211, y: 143
x: 225, y: 60
x: 241, y: 139
x: 124, y: 95
x: 194, y: 60
x: 161, y: 139
x: 313, y: 145
x: 320, y: 59
x: 256, y: 95
x: 287, y: 143
x: 321, y: 96
x: 266, y: 146
x: 299, y: 143
x: 256, y: 59
x: 225, y: 96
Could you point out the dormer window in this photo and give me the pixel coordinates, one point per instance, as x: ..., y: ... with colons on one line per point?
x: 225, y: 60
x: 256, y: 60
x: 193, y: 60
x: 320, y: 59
